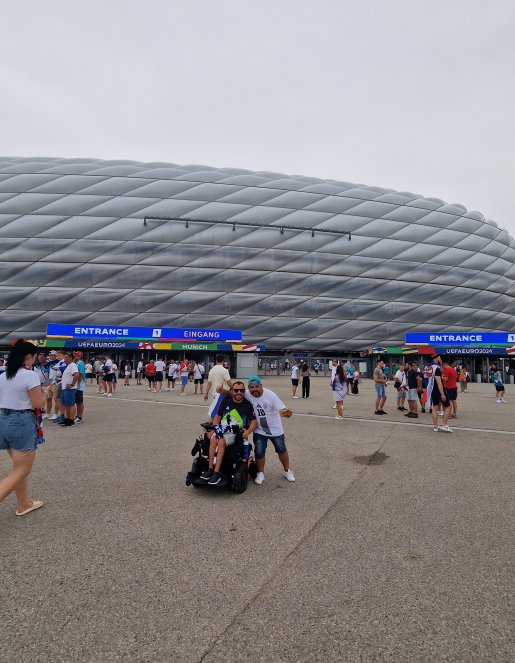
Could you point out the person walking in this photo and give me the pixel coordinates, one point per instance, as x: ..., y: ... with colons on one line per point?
x: 306, y: 373
x: 340, y: 390
x: 21, y: 401
x: 380, y: 381
x: 334, y: 365
x: 127, y: 372
x: 355, y: 382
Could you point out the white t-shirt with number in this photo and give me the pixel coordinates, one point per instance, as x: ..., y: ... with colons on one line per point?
x: 14, y: 393
x: 266, y: 409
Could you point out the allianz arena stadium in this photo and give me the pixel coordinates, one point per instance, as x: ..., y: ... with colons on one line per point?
x: 294, y: 262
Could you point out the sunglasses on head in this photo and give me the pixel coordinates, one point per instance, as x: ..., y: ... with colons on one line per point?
x: 236, y: 391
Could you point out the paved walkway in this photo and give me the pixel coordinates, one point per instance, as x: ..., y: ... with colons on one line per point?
x: 394, y: 544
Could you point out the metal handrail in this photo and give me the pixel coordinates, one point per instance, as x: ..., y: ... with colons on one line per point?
x: 282, y: 228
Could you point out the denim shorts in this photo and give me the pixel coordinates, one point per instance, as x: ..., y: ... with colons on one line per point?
x: 412, y: 395
x: 380, y: 391
x: 18, y: 430
x: 68, y: 397
x: 261, y: 441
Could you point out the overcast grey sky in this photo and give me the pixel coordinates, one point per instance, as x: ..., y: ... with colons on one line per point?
x: 414, y: 95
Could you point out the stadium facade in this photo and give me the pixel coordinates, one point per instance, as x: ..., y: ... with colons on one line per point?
x: 296, y: 263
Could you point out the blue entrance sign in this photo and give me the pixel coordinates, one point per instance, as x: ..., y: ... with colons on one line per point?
x: 301, y: 354
x: 157, y: 334
x: 459, y: 338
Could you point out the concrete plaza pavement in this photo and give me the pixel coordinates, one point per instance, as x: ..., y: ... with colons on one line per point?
x: 394, y: 544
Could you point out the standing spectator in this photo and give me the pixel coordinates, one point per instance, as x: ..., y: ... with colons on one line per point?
x: 268, y: 409
x: 450, y: 386
x: 81, y: 383
x: 160, y: 367
x: 21, y: 399
x: 58, y: 368
x: 463, y: 380
x: 414, y: 383
x: 380, y: 384
x: 139, y: 372
x: 334, y: 366
x: 98, y: 366
x: 114, y: 380
x: 499, y: 387
x: 306, y: 373
x: 340, y: 389
x: 349, y: 369
x: 400, y: 385
x: 295, y: 373
x: 172, y: 367
x: 69, y: 382
x: 90, y: 373
x: 317, y: 368
x: 436, y: 395
x: 151, y: 375
x: 52, y: 387
x: 127, y: 372
x: 387, y: 370
x: 198, y: 376
x: 355, y: 382
x: 43, y: 369
x: 218, y: 379
x: 185, y: 374
x: 108, y: 370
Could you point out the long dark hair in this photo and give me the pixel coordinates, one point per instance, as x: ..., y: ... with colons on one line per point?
x: 305, y: 368
x: 339, y: 373
x: 17, y: 356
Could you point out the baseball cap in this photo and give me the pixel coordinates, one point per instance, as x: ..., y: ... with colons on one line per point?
x: 52, y: 352
x: 435, y: 355
x: 78, y: 353
x: 254, y: 380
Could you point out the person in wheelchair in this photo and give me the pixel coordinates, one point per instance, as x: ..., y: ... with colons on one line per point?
x: 234, y: 410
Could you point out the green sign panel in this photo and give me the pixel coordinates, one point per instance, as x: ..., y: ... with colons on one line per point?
x: 194, y: 346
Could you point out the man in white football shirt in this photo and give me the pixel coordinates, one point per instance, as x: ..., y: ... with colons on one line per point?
x: 268, y: 409
x: 160, y: 367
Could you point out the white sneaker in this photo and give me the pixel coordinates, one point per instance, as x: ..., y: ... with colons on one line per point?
x: 53, y: 416
x: 338, y: 417
x: 335, y: 407
x: 149, y: 389
x: 167, y: 390
x: 183, y: 393
x: 105, y: 393
x: 109, y: 395
x: 435, y: 429
x: 154, y: 391
x: 445, y: 429
x: 502, y: 400
x: 498, y: 400
x: 288, y: 474
x: 171, y: 390
x: 260, y: 478
x: 294, y: 396
x: 440, y: 414
x: 44, y: 415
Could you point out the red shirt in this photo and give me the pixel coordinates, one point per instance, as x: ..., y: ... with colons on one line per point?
x: 151, y: 369
x: 451, y: 375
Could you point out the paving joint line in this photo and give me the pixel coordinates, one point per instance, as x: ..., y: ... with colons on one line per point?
x: 327, y: 416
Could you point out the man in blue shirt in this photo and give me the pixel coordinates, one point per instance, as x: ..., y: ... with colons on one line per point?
x: 79, y: 394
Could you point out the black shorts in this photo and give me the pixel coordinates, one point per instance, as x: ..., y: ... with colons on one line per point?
x: 90, y: 375
x: 151, y: 378
x: 499, y: 387
x: 199, y: 380
x: 295, y: 383
x: 436, y: 399
x: 159, y: 376
x: 452, y: 394
x: 79, y: 397
x: 171, y: 379
x: 108, y: 377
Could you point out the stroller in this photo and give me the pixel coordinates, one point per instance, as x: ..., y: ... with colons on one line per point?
x: 237, y: 464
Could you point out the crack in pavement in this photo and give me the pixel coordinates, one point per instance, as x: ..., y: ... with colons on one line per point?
x: 296, y: 547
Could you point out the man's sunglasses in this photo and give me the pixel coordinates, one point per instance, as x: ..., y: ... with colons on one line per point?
x: 239, y: 391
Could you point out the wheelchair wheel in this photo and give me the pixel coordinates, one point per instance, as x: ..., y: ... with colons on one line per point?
x: 253, y: 470
x: 188, y: 479
x: 241, y: 478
